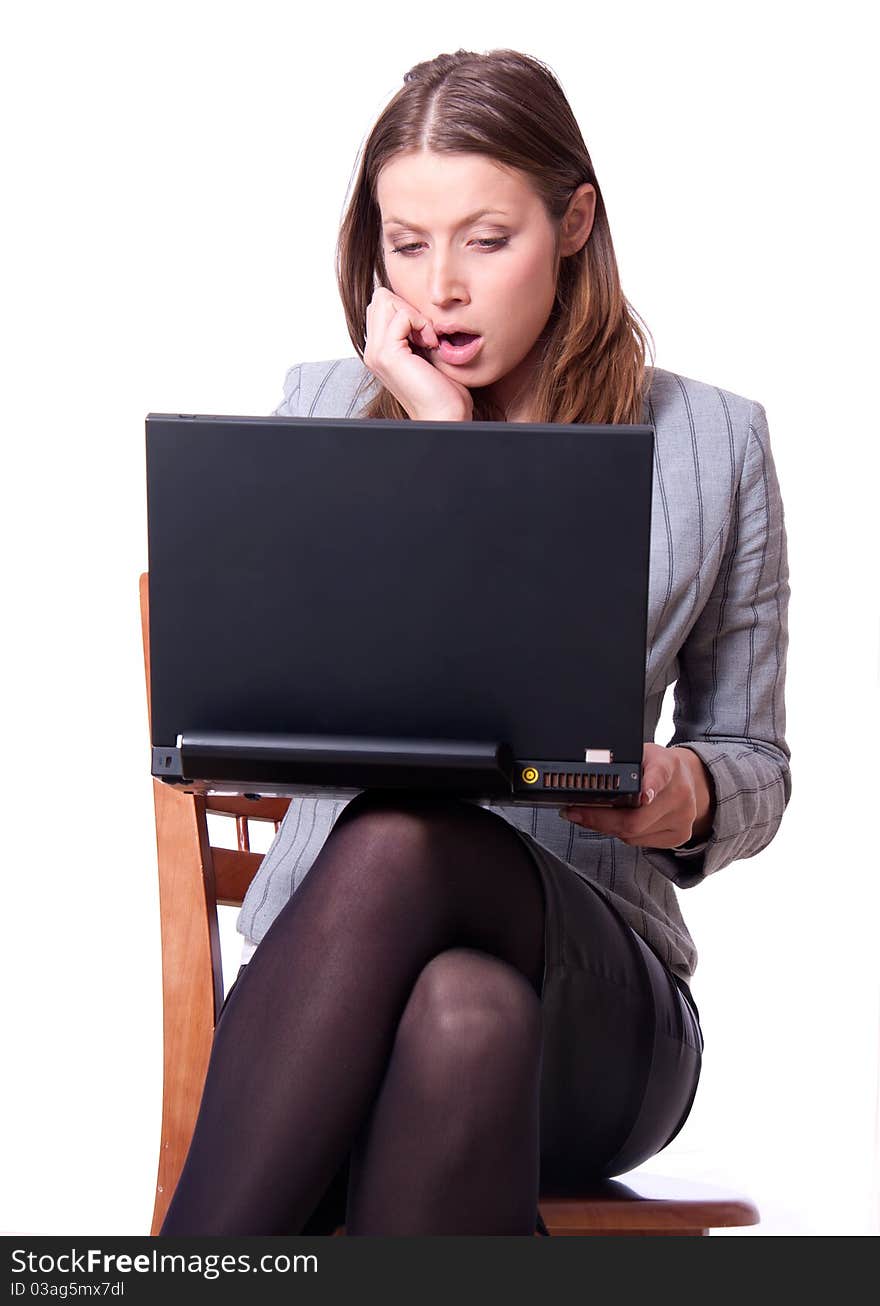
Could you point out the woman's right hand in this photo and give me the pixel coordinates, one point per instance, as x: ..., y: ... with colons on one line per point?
x: 393, y: 325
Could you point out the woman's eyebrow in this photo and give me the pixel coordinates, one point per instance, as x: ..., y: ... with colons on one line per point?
x: 472, y: 217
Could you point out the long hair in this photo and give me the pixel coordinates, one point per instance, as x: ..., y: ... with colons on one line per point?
x: 508, y: 107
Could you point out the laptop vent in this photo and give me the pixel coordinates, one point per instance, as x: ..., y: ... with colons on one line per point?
x: 578, y: 780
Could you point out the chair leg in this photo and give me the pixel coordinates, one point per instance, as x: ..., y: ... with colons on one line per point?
x: 192, y: 976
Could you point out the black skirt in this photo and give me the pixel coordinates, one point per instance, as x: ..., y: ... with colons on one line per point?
x: 622, y: 1038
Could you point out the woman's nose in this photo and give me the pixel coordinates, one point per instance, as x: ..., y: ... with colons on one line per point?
x: 445, y: 280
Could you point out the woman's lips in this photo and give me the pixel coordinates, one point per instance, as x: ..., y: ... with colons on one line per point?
x: 459, y: 354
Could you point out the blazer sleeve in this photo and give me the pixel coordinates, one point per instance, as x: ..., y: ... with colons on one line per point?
x: 289, y: 406
x: 729, y: 702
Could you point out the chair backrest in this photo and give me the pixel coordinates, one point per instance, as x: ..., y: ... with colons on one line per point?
x: 194, y: 878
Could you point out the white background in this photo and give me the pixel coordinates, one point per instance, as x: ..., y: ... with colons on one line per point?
x: 174, y: 176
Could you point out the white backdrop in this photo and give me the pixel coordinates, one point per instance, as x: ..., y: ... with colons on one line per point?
x: 174, y: 176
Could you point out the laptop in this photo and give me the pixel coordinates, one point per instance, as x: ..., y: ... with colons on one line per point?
x: 456, y: 608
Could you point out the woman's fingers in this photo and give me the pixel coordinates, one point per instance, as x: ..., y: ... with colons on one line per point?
x: 403, y: 324
x: 644, y: 826
x: 398, y: 341
x: 661, y: 837
x: 403, y: 319
x: 424, y: 334
x: 406, y: 324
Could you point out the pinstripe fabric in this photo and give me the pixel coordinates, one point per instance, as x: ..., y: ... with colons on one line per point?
x: 717, y: 630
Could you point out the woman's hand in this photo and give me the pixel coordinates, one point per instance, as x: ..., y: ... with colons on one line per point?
x: 675, y: 803
x: 425, y: 392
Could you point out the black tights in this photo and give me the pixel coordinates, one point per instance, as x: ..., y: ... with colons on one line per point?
x: 391, y: 1012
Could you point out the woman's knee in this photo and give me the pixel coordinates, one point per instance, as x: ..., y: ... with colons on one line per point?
x: 408, y: 824
x: 391, y: 841
x: 407, y: 832
x: 451, y: 866
x: 381, y: 814
x: 381, y: 811
x: 468, y: 1006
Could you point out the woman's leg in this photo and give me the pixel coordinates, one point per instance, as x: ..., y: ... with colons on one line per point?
x: 452, y: 1145
x: 301, y: 1051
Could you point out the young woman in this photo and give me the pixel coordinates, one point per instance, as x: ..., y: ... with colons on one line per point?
x: 448, y: 1009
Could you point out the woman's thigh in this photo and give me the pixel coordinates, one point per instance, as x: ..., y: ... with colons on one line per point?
x: 462, y: 867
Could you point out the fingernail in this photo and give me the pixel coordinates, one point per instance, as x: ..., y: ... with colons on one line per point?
x: 650, y: 795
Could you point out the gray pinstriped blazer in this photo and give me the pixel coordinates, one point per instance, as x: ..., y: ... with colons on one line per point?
x: 717, y: 629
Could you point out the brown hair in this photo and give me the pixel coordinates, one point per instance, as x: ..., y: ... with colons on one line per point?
x: 509, y: 107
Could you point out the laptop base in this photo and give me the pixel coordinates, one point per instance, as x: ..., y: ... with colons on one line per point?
x: 338, y: 766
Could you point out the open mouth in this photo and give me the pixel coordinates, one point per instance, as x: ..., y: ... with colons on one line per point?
x: 459, y: 347
x: 458, y: 338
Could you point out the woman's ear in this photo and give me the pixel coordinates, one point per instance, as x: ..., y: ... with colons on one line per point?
x: 578, y: 220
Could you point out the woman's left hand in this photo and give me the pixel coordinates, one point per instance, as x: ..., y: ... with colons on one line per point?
x: 675, y: 804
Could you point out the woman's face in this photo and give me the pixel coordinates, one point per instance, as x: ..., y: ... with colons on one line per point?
x: 493, y: 275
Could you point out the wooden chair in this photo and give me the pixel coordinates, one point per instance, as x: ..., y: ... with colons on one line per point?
x: 194, y: 878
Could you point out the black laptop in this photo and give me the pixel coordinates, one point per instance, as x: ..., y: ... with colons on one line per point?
x: 457, y: 608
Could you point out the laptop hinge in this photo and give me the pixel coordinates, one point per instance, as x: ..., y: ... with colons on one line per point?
x: 167, y: 764
x: 362, y: 761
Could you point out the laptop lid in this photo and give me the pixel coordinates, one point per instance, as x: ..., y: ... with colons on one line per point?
x: 337, y: 604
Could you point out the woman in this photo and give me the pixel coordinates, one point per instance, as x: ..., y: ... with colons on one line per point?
x: 451, y: 1008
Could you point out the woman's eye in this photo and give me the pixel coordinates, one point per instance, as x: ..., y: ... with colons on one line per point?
x: 493, y: 242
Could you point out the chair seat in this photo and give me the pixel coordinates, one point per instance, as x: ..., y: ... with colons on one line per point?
x: 647, y: 1204
x: 643, y: 1206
